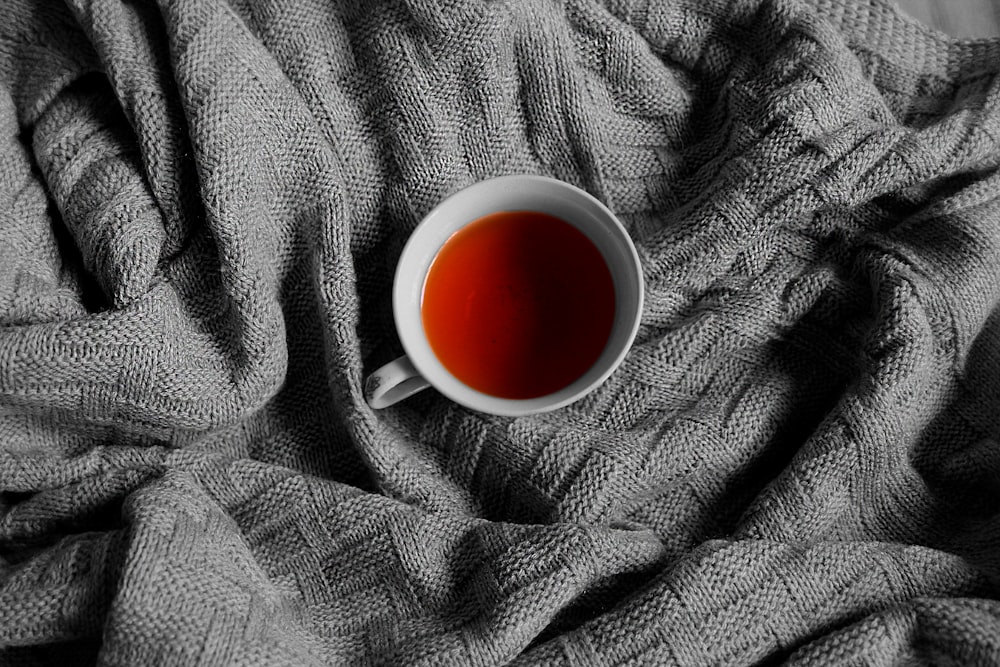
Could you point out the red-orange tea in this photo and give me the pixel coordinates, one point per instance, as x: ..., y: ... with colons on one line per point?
x: 518, y: 304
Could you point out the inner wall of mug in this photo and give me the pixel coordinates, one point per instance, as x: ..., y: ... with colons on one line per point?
x: 516, y: 193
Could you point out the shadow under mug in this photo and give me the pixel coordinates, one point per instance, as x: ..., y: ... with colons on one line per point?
x: 420, y: 368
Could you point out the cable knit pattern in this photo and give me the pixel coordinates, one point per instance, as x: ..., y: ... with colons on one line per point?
x: 201, y: 207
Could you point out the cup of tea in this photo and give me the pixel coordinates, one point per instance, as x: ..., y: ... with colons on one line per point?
x: 516, y: 295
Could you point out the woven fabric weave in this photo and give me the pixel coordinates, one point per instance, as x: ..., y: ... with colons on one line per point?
x: 201, y: 207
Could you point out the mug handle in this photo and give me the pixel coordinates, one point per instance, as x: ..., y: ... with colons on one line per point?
x: 395, y: 381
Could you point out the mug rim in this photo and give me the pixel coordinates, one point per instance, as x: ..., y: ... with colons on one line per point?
x: 406, y: 286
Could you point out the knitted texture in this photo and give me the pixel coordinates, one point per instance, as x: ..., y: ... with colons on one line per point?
x: 201, y: 207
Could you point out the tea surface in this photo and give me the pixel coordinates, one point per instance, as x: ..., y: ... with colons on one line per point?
x: 518, y: 304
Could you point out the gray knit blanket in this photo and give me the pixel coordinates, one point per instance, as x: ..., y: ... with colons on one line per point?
x: 201, y: 208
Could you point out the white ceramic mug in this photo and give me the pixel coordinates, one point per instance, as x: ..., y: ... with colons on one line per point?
x: 420, y: 367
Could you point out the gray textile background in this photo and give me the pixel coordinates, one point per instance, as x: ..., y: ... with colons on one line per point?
x: 201, y: 205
